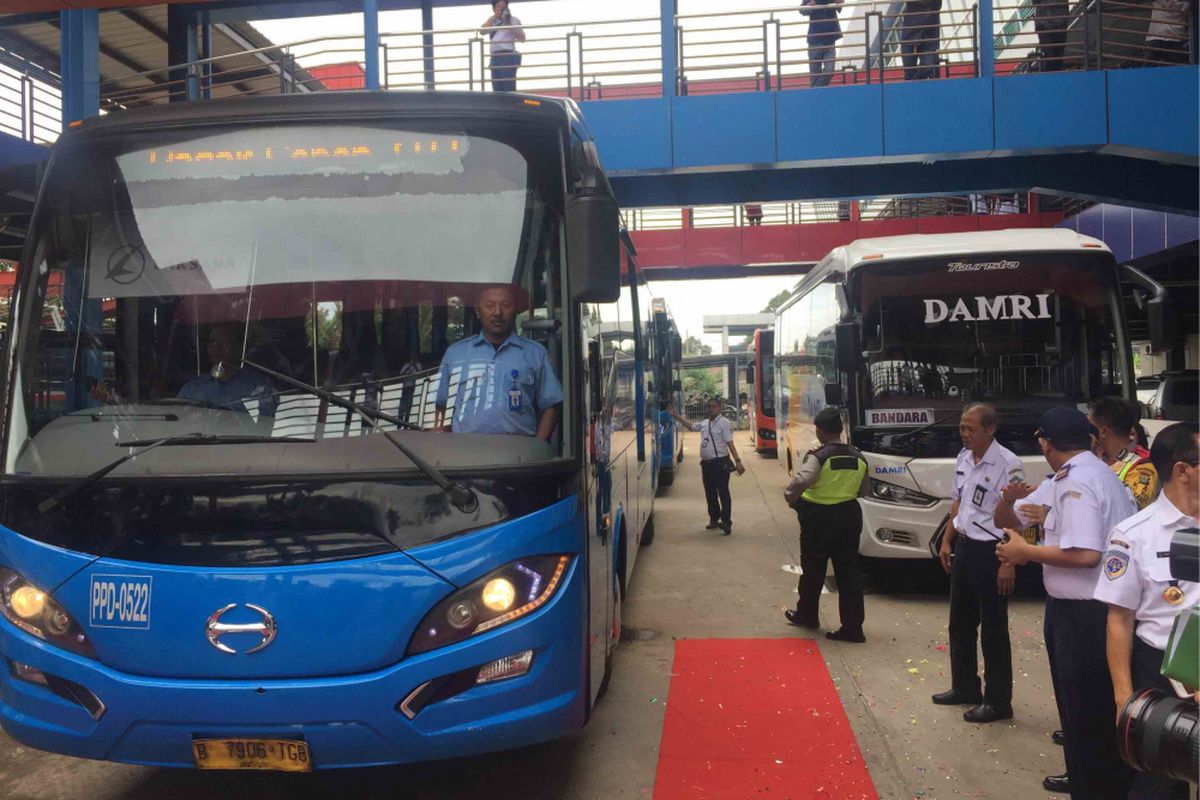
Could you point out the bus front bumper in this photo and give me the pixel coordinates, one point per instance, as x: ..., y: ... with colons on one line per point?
x: 347, y: 721
x: 893, y: 530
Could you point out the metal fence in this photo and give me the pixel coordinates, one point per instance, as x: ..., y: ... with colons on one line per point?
x: 787, y: 48
x: 1054, y: 35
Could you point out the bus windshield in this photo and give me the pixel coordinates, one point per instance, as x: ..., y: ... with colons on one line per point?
x: 1024, y: 332
x: 346, y: 256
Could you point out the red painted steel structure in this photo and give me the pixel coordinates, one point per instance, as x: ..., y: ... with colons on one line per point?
x: 803, y: 244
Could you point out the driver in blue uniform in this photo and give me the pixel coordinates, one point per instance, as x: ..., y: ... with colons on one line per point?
x: 504, y: 383
x: 228, y: 385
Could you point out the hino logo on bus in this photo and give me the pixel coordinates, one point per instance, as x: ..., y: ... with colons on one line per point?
x: 982, y: 309
x: 215, y: 629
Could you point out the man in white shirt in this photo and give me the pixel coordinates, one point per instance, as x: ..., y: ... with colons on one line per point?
x: 979, y: 585
x: 716, y: 445
x: 505, y: 58
x: 1143, y: 599
x: 1083, y: 501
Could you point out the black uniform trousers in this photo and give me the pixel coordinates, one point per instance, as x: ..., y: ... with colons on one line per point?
x: 831, y: 532
x: 1147, y: 661
x: 976, y: 606
x: 716, y: 489
x: 1075, y: 636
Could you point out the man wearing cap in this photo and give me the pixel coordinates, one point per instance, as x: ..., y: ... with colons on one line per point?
x: 1143, y: 598
x: 1083, y: 501
x: 824, y: 494
x: 979, y: 585
x: 1115, y: 419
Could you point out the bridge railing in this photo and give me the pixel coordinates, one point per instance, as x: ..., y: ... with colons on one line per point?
x: 783, y: 48
x: 1057, y: 35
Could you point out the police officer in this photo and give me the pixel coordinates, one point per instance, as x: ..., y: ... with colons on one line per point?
x: 1143, y: 599
x: 824, y: 494
x: 1115, y: 419
x: 979, y: 585
x: 1082, y: 502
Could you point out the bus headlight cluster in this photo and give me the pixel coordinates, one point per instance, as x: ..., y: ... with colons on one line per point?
x: 33, y: 611
x: 511, y: 592
x: 891, y: 493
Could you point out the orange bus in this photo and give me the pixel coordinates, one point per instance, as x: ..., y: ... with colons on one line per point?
x: 761, y: 383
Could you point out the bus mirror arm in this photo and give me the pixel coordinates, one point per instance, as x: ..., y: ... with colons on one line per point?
x: 1160, y: 309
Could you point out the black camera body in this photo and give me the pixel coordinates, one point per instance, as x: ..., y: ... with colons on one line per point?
x: 1157, y: 732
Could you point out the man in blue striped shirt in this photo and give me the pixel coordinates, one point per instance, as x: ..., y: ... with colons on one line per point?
x: 503, y: 382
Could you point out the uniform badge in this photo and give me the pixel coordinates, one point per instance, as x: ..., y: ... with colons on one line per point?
x: 979, y: 494
x: 1173, y: 595
x: 1062, y: 473
x: 1115, y: 564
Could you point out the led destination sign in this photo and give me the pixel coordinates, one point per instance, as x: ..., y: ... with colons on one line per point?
x: 428, y: 146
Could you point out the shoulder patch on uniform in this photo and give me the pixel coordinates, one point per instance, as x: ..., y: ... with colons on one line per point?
x: 1119, y: 543
x: 1115, y: 564
x: 1062, y: 473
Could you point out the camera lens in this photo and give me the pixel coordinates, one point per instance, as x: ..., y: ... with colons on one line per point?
x: 1160, y: 734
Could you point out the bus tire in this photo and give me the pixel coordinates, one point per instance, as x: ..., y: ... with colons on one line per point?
x: 615, y: 634
x: 666, y: 477
x: 648, y: 532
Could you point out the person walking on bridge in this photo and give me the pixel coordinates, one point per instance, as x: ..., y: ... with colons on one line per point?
x: 505, y: 31
x: 825, y: 495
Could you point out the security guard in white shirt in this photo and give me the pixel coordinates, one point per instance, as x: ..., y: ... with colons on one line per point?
x: 716, y: 446
x: 979, y: 585
x: 1142, y: 596
x: 1084, y: 500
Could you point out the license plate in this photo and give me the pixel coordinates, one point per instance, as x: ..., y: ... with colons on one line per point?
x: 287, y: 755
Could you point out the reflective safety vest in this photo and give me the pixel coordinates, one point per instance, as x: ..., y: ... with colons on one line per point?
x: 843, y: 469
x: 1133, y: 468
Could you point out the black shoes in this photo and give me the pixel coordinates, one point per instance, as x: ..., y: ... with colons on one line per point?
x: 712, y: 525
x: 793, y: 617
x: 956, y: 698
x: 843, y: 635
x: 1056, y: 783
x: 727, y: 527
x: 1058, y: 738
x: 986, y: 712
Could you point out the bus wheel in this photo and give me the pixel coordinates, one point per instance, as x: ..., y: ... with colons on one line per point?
x: 648, y: 531
x: 666, y: 477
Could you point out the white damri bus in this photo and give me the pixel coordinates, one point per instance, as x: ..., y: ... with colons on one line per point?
x: 903, y: 332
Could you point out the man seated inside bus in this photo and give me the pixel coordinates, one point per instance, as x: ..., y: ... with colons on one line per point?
x: 229, y: 384
x: 505, y: 383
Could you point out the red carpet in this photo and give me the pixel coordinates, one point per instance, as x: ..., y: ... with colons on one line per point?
x: 756, y: 718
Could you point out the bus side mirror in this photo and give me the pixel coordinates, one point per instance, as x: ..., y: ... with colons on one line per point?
x: 833, y: 394
x: 676, y: 349
x: 849, y: 350
x: 749, y: 373
x: 594, y: 248
x: 1161, y: 317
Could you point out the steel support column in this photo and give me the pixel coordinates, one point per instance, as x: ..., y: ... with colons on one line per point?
x: 670, y: 86
x: 371, y: 42
x: 427, y: 41
x: 987, y: 39
x: 79, y: 37
x: 181, y: 50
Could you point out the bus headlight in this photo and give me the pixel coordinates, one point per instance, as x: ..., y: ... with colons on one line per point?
x: 891, y: 493
x: 33, y: 611
x: 509, y: 593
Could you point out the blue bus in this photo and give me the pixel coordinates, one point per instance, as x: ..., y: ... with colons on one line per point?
x: 670, y: 390
x: 300, y: 568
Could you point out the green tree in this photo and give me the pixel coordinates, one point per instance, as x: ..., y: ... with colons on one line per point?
x: 694, y: 347
x: 699, y: 380
x: 772, y: 306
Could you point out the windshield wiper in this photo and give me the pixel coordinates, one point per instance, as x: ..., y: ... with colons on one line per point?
x: 140, y: 446
x: 460, y: 496
x: 904, y: 437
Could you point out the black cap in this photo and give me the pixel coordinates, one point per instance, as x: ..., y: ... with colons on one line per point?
x: 828, y: 419
x: 1065, y: 423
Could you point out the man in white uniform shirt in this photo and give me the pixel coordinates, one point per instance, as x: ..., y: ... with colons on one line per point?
x: 716, y: 445
x: 1143, y: 599
x: 979, y: 585
x: 505, y: 58
x: 1083, y: 501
